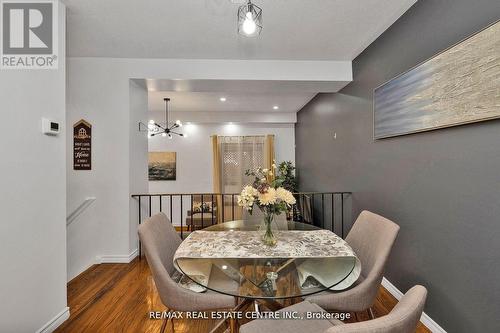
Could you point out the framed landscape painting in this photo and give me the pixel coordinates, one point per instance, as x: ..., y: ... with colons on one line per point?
x: 162, y: 166
x: 458, y: 86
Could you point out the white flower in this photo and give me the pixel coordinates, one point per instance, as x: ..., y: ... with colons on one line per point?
x: 268, y: 198
x: 247, y: 197
x: 285, y: 196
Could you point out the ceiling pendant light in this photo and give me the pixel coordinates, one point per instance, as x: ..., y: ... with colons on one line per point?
x: 249, y: 20
x: 165, y: 130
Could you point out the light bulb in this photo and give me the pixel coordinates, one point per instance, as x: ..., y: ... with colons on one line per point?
x: 170, y: 136
x: 164, y: 134
x: 152, y: 122
x: 179, y: 123
x: 185, y: 135
x: 249, y: 27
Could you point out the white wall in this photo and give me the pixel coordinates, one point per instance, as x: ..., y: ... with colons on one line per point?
x: 112, y: 104
x: 138, y: 155
x: 99, y: 91
x: 194, y: 157
x: 32, y: 197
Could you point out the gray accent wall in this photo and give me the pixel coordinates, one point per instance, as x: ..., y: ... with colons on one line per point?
x: 441, y: 187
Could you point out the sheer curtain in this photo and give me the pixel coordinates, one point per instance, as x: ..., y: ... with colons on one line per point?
x: 232, y: 156
x: 238, y: 154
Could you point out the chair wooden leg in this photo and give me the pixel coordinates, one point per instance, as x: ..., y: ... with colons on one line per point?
x: 233, y: 327
x: 371, y: 314
x: 164, y: 325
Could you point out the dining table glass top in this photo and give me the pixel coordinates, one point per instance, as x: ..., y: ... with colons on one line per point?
x: 228, y: 258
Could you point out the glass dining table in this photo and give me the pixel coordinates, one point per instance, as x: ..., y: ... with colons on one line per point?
x: 255, y: 273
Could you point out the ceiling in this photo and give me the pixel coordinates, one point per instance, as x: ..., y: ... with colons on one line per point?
x: 206, y: 29
x: 235, y: 102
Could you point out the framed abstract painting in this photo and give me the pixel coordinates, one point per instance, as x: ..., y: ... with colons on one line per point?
x: 162, y: 166
x: 460, y: 85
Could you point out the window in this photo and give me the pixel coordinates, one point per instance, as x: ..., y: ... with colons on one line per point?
x: 238, y: 154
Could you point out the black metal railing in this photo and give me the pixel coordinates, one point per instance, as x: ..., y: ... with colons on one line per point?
x: 193, y: 211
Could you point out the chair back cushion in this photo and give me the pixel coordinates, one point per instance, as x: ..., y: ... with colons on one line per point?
x: 372, y: 237
x: 160, y: 241
x: 402, y: 319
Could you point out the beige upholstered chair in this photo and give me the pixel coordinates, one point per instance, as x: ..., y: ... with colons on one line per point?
x: 402, y: 319
x: 371, y: 237
x: 160, y: 241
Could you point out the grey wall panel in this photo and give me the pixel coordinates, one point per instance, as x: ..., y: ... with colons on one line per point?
x: 441, y: 187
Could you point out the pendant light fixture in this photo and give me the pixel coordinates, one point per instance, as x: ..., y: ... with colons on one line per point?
x: 249, y: 20
x: 165, y: 130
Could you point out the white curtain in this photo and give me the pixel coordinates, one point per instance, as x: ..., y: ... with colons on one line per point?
x: 238, y: 154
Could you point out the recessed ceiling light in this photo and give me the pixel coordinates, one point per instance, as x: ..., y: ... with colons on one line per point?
x: 222, y: 99
x: 276, y: 107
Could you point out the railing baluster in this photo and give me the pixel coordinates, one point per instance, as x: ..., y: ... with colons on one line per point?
x: 223, y: 209
x: 333, y: 212
x: 171, y: 218
x: 192, y: 225
x: 302, y: 208
x: 312, y: 209
x: 323, y: 210
x: 294, y: 208
x: 232, y: 207
x: 149, y: 205
x: 182, y: 233
x: 212, y: 209
x: 202, y: 212
x: 342, y: 220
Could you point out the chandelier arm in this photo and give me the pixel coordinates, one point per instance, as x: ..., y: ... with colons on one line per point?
x: 158, y: 125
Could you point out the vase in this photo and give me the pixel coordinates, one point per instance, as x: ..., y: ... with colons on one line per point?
x: 268, y: 236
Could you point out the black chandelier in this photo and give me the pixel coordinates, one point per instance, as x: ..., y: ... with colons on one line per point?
x: 166, y: 129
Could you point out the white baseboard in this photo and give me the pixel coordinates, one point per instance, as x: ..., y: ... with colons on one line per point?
x: 116, y: 259
x: 55, y: 322
x: 425, y: 319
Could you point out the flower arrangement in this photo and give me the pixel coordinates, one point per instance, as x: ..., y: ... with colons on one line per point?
x: 268, y: 195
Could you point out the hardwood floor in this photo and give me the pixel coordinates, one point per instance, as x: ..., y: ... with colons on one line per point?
x: 119, y: 297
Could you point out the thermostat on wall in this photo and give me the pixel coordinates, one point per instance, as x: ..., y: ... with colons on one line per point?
x: 50, y: 127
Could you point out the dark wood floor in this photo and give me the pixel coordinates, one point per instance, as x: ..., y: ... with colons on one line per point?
x: 118, y: 298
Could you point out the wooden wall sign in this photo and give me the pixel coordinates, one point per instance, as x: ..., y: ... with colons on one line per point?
x: 82, y: 146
